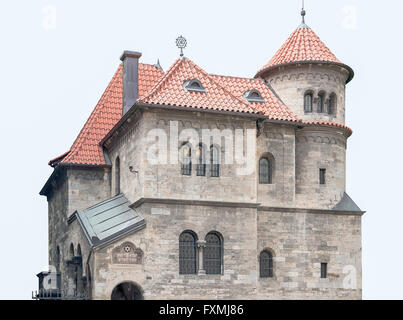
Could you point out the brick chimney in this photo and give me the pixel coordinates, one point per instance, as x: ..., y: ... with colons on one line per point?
x: 130, y: 78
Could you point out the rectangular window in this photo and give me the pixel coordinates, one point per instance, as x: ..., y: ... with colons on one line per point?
x: 322, y: 176
x: 323, y: 270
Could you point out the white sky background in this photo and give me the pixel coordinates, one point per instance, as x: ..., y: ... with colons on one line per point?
x: 52, y: 73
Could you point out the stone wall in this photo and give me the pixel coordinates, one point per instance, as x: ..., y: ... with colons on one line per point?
x: 320, y: 148
x: 299, y: 241
x: 74, y: 189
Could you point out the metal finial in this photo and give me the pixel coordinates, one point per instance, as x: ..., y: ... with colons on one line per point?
x: 181, y: 43
x: 303, y: 13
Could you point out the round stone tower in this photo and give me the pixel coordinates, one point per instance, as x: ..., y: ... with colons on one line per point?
x: 308, y: 77
x: 311, y: 81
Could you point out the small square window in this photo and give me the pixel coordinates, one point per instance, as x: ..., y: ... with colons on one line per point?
x: 323, y: 270
x: 322, y: 176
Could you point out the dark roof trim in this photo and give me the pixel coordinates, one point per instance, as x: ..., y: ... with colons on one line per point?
x: 342, y: 65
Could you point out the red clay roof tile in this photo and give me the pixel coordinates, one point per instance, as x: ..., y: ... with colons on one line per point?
x: 223, y: 93
x: 303, y: 45
x: 108, y: 111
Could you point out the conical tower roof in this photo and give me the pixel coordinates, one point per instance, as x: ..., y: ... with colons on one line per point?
x: 303, y: 46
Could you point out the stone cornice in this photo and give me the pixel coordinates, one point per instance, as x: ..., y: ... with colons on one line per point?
x: 252, y: 205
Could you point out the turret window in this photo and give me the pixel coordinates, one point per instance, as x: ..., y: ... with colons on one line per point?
x: 321, y: 101
x: 308, y: 100
x: 332, y: 104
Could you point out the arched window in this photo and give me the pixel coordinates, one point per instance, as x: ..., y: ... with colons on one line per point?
x: 266, y: 264
x: 71, y: 255
x: 332, y: 104
x: 253, y: 96
x: 201, y: 161
x: 212, y: 254
x: 321, y: 102
x: 57, y: 259
x: 187, y: 253
x: 186, y: 160
x: 214, y: 161
x: 117, y: 176
x: 193, y: 85
x: 265, y: 175
x: 308, y: 100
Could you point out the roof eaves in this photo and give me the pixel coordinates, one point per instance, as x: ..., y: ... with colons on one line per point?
x: 262, y: 71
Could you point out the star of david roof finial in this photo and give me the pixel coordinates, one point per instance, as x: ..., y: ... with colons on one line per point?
x: 181, y: 43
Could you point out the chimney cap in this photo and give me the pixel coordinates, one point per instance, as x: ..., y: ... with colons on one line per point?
x: 130, y: 54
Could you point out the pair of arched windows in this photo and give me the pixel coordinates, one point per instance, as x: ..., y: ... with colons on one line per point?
x: 265, y: 170
x: 188, y: 253
x: 323, y: 105
x: 186, y: 160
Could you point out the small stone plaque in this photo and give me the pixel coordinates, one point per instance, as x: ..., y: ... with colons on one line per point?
x: 127, y: 253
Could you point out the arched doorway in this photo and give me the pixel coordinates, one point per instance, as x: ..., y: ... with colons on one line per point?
x: 127, y: 291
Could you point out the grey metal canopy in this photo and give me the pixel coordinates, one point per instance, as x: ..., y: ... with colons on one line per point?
x: 346, y: 204
x: 109, y: 220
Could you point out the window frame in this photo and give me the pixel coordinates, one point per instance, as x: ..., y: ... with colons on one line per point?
x: 186, y: 168
x: 322, y: 176
x: 323, y: 270
x: 308, y: 107
x: 269, y: 175
x: 182, y: 260
x: 117, y: 176
x: 201, y: 161
x: 207, y: 260
x: 214, y: 163
x: 270, y: 268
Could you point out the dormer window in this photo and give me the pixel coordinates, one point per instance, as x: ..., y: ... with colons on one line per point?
x: 193, y: 86
x: 253, y: 96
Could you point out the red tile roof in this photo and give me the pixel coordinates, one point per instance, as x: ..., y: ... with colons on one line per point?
x: 108, y: 111
x: 273, y: 107
x: 303, y: 45
x: 222, y: 93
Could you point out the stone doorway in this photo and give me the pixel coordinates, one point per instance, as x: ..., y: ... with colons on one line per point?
x: 127, y: 291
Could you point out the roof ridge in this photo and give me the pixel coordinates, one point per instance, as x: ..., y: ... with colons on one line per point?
x: 234, y: 77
